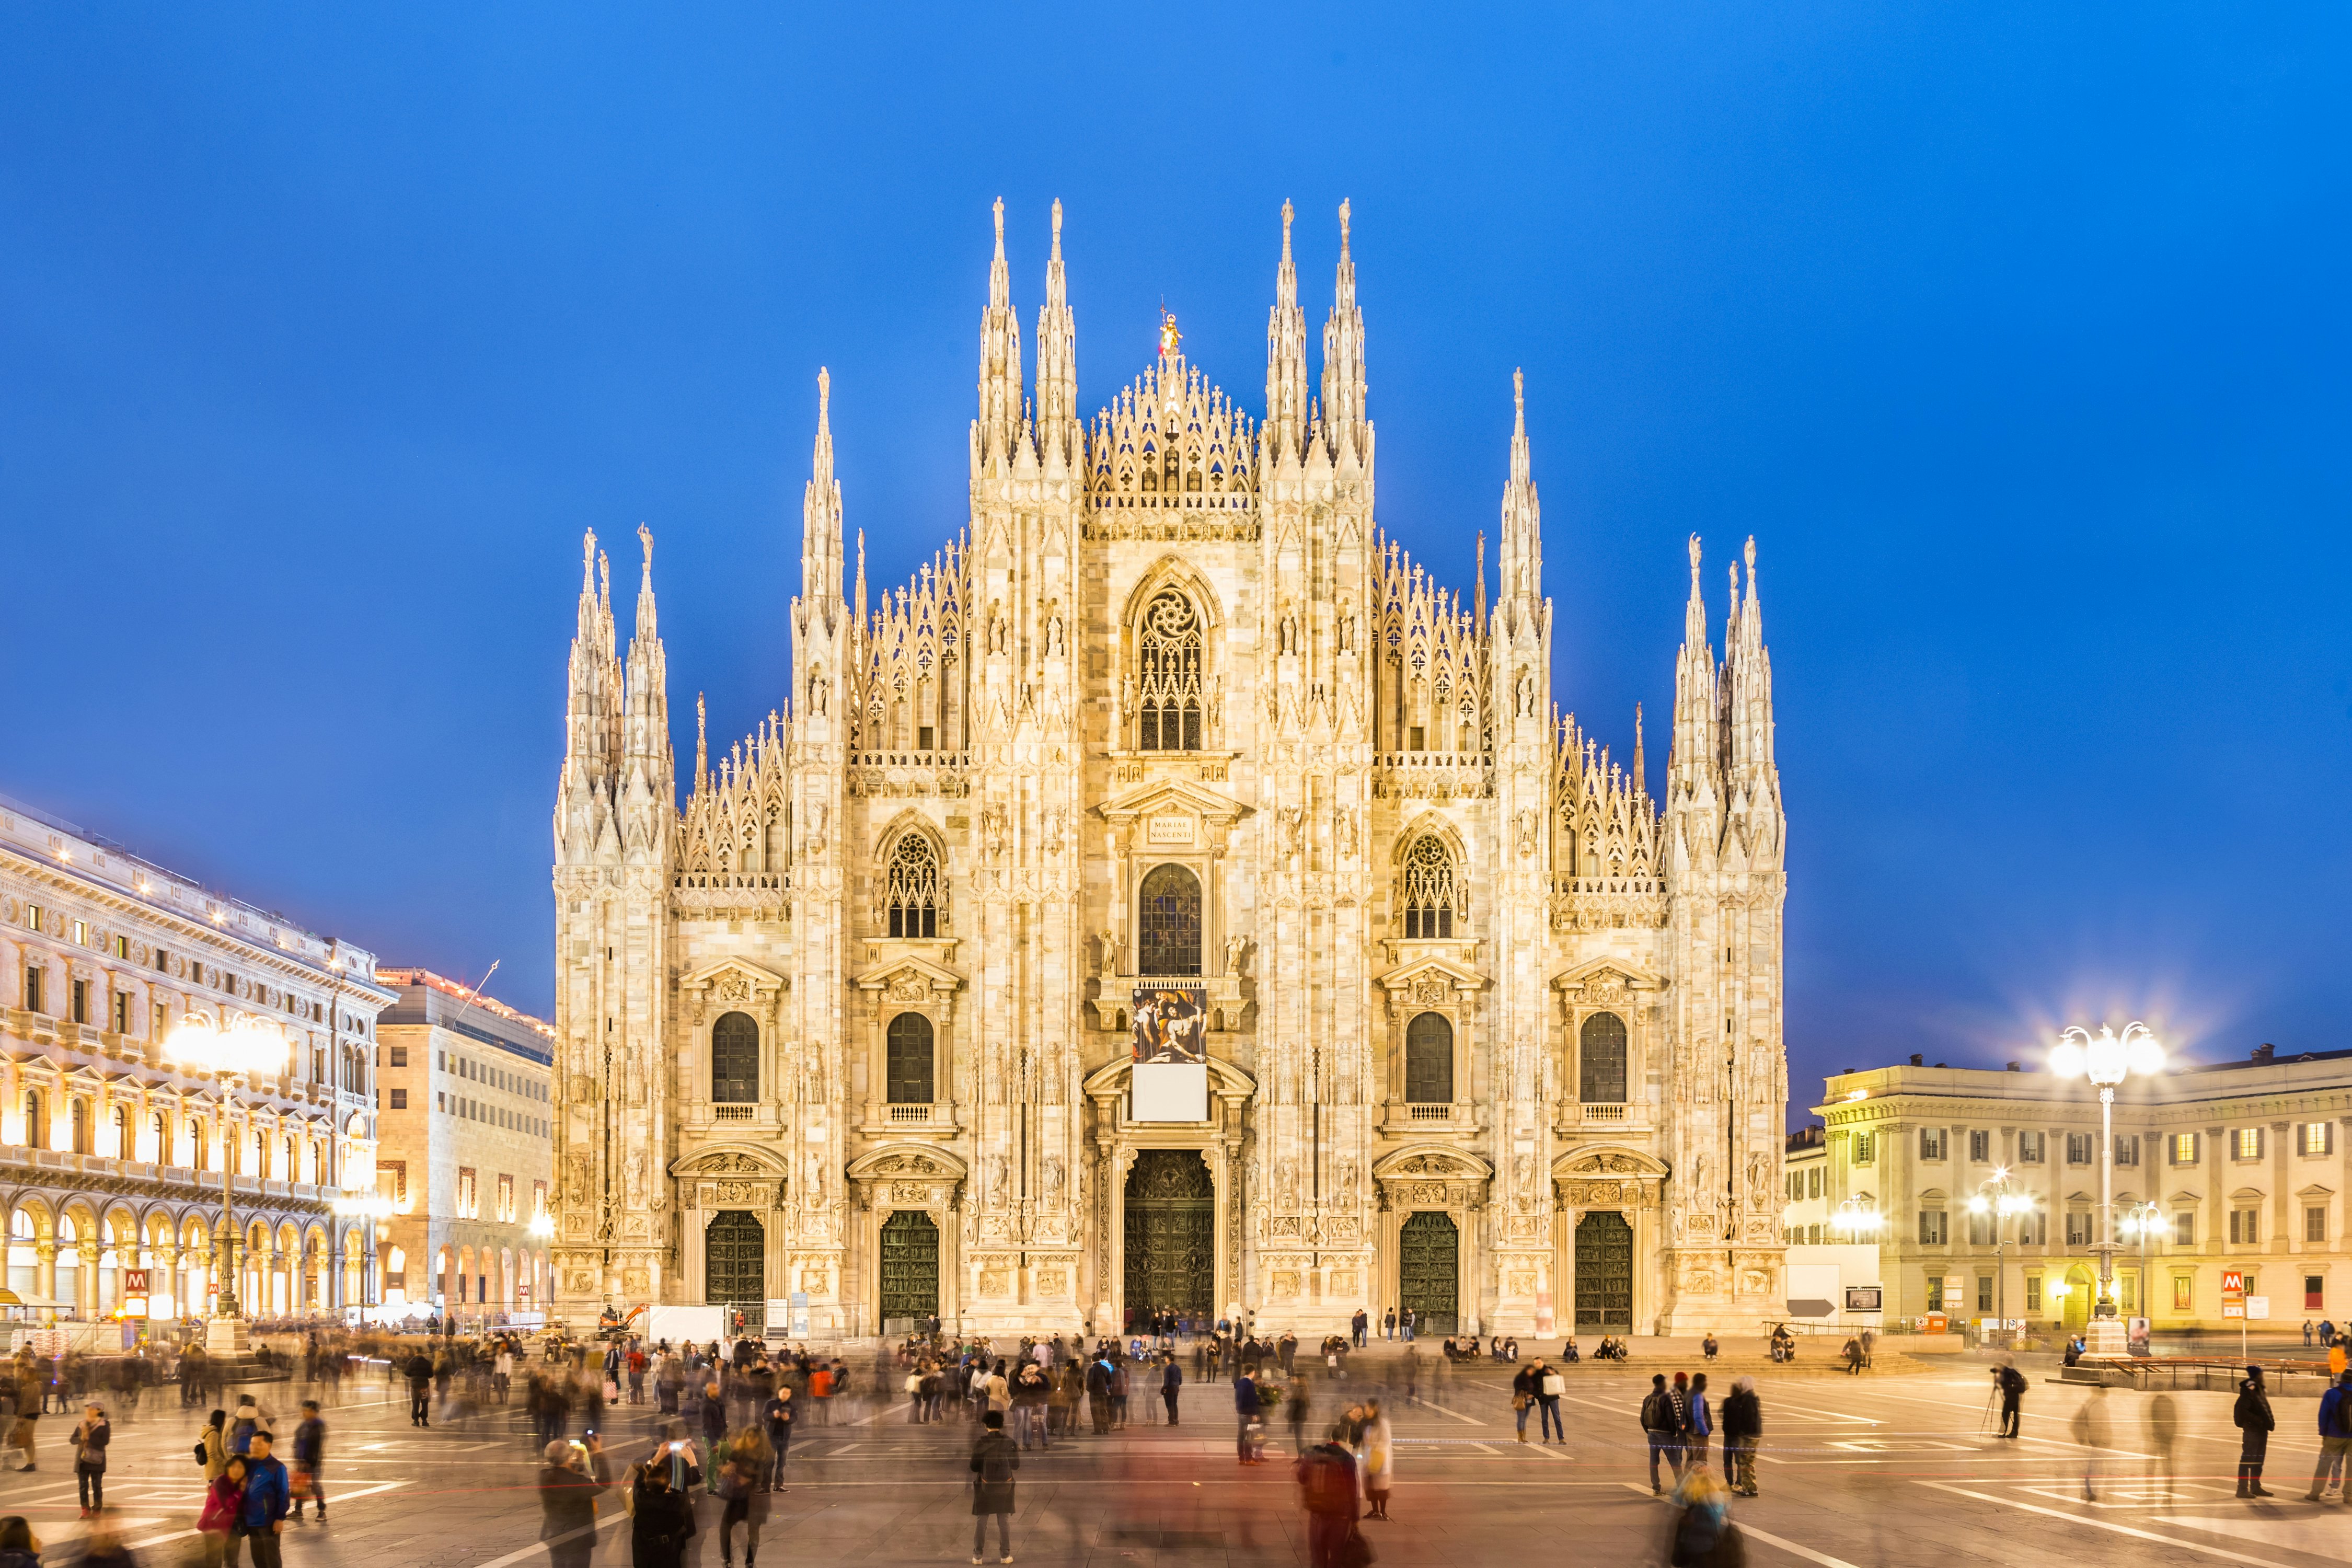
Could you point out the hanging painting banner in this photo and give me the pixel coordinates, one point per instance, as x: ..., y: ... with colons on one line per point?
x: 1169, y: 1082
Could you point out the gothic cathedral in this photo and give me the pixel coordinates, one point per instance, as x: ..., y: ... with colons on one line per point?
x: 1490, y: 1032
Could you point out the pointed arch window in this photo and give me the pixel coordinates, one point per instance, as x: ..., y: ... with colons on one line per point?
x: 1169, y: 675
x: 908, y: 1074
x: 912, y: 896
x: 1433, y: 893
x: 1429, y: 1059
x: 1600, y: 1060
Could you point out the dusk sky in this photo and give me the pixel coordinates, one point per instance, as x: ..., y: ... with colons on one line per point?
x: 2017, y: 336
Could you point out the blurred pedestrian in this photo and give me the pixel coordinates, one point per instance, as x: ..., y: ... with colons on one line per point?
x: 1743, y: 1426
x: 744, y: 1485
x: 2163, y: 1428
x: 2011, y: 1383
x: 1378, y: 1458
x: 567, y: 1505
x: 2334, y: 1440
x: 661, y: 1509
x: 1327, y: 1487
x: 309, y: 1457
x: 1662, y: 1429
x: 89, y: 1440
x: 1698, y: 1424
x: 19, y: 1547
x: 1701, y: 1534
x: 2091, y: 1434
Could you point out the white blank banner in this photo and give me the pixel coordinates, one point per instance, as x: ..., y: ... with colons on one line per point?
x: 1168, y: 1091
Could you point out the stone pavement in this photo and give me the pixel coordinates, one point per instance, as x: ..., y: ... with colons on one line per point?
x: 1854, y: 1471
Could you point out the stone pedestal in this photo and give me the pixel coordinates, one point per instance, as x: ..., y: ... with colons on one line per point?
x: 2106, y: 1337
x: 229, y: 1337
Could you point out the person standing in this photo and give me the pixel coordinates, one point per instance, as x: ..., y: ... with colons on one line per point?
x: 567, y: 1508
x: 1171, y: 1379
x: 1698, y: 1424
x: 89, y: 1441
x: 224, y: 1508
x: 662, y: 1512
x: 310, y: 1455
x: 1522, y: 1396
x: 420, y: 1389
x: 263, y: 1516
x: 2253, y: 1418
x: 1245, y: 1409
x: 1098, y: 1391
x: 1326, y: 1486
x: 1743, y: 1424
x: 1380, y: 1458
x: 1549, y: 1385
x: 993, y: 1460
x: 2012, y: 1396
x: 1662, y: 1430
x: 777, y: 1416
x: 2334, y: 1441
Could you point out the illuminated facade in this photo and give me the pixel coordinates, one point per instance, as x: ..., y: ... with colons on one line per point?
x: 464, y: 1160
x: 1494, y: 1033
x: 2245, y: 1164
x: 111, y: 1156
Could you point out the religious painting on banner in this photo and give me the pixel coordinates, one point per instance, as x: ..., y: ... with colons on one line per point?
x: 1171, y: 1023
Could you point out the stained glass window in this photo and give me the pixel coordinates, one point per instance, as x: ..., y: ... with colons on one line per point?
x: 912, y: 891
x: 1434, y: 895
x: 734, y: 1059
x: 1170, y: 683
x: 1602, y: 1060
x: 1171, y: 922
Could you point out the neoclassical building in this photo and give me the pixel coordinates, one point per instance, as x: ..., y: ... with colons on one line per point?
x: 112, y: 1154
x: 1491, y: 1030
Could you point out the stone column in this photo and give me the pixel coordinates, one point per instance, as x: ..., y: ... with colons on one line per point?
x: 2283, y: 1240
x: 45, y: 1268
x: 85, y: 1287
x: 166, y: 1268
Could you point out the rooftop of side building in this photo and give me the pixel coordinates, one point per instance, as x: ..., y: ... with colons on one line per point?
x: 440, y: 1002
x: 2263, y: 1070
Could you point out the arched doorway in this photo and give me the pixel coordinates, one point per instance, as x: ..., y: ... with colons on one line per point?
x: 1429, y: 1272
x: 910, y: 1269
x: 1605, y: 1273
x: 735, y: 1266
x: 2080, y: 1293
x: 1171, y: 1234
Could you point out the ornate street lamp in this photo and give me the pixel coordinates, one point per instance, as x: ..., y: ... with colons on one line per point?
x: 2144, y: 1220
x: 247, y: 1049
x: 1997, y: 1197
x: 2107, y: 1060
x: 1858, y: 1219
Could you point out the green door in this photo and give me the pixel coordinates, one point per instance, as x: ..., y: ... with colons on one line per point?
x: 910, y: 1268
x: 735, y: 1266
x: 1171, y: 1234
x: 1429, y: 1272
x: 1604, y: 1274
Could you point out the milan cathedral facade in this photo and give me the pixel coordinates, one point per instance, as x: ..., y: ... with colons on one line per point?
x: 1491, y: 1032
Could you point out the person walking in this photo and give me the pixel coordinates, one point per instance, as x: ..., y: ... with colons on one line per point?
x: 2011, y: 1383
x: 1378, y: 1458
x: 1662, y: 1430
x: 262, y: 1518
x: 215, y: 1444
x: 2334, y: 1441
x: 2163, y: 1430
x: 2253, y: 1418
x: 1326, y: 1486
x: 1701, y: 1533
x: 420, y: 1389
x: 993, y: 1460
x: 661, y: 1511
x: 89, y: 1440
x: 744, y: 1485
x: 1549, y: 1386
x: 1698, y: 1424
x: 1296, y: 1401
x: 310, y: 1455
x: 2091, y: 1434
x: 1743, y: 1424
x: 567, y: 1507
x: 1098, y: 1391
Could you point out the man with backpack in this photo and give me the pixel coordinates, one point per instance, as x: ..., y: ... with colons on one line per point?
x: 1662, y: 1427
x: 420, y: 1389
x: 2334, y: 1441
x: 309, y: 1453
x: 993, y: 1460
x: 1327, y: 1485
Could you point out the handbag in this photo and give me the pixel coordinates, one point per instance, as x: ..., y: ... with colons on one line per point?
x: 1355, y: 1551
x: 1554, y: 1385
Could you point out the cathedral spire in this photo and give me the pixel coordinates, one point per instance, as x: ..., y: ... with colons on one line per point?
x: 1522, y: 555
x: 701, y: 747
x: 1693, y: 760
x: 1285, y: 358
x: 1001, y: 390
x: 821, y: 516
x: 1343, y: 359
x: 1057, y: 361
x: 650, y: 787
x: 1748, y: 679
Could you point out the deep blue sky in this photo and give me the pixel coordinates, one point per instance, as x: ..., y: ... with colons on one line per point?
x: 2017, y: 335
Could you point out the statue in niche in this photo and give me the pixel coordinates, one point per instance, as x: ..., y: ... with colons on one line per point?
x: 1285, y: 1184
x: 1234, y: 947
x: 633, y: 1179
x: 1055, y: 1181
x: 1053, y: 635
x: 1110, y: 954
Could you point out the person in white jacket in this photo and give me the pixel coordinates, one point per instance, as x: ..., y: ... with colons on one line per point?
x: 1378, y: 1458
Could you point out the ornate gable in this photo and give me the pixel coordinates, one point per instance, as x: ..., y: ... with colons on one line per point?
x: 1431, y: 980
x: 733, y: 981
x: 1605, y: 978
x: 908, y: 978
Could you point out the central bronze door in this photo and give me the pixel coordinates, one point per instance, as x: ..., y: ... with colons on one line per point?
x: 735, y: 1266
x: 1429, y: 1272
x: 1171, y: 1234
x: 1605, y: 1273
x: 910, y: 1268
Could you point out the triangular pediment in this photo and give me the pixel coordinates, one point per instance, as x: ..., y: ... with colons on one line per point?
x: 1607, y: 973
x: 1157, y: 797
x: 909, y: 969
x: 2316, y: 1190
x: 1224, y: 1078
x: 1433, y: 967
x: 739, y: 976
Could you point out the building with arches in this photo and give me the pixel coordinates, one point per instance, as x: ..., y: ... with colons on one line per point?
x: 112, y: 1154
x: 1492, y: 1017
x: 465, y: 1157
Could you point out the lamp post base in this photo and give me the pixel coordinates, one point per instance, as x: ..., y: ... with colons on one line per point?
x: 228, y: 1337
x: 2106, y: 1337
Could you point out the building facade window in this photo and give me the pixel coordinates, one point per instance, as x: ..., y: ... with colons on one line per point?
x: 2184, y: 1148
x: 1433, y: 894
x: 1170, y: 914
x: 2032, y: 1147
x: 2245, y: 1226
x: 2184, y: 1292
x: 734, y: 1059
x: 1865, y: 1148
x: 1980, y: 1146
x: 908, y: 1071
x: 1931, y: 1143
x: 1168, y: 674
x: 1429, y: 1059
x: 2184, y: 1227
x: 1601, y: 1061
x: 2246, y: 1143
x: 2078, y: 1229
x: 911, y: 894
x: 2078, y: 1148
x: 2315, y: 1222
x: 2318, y: 1138
x: 2127, y: 1148
x: 1931, y: 1227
